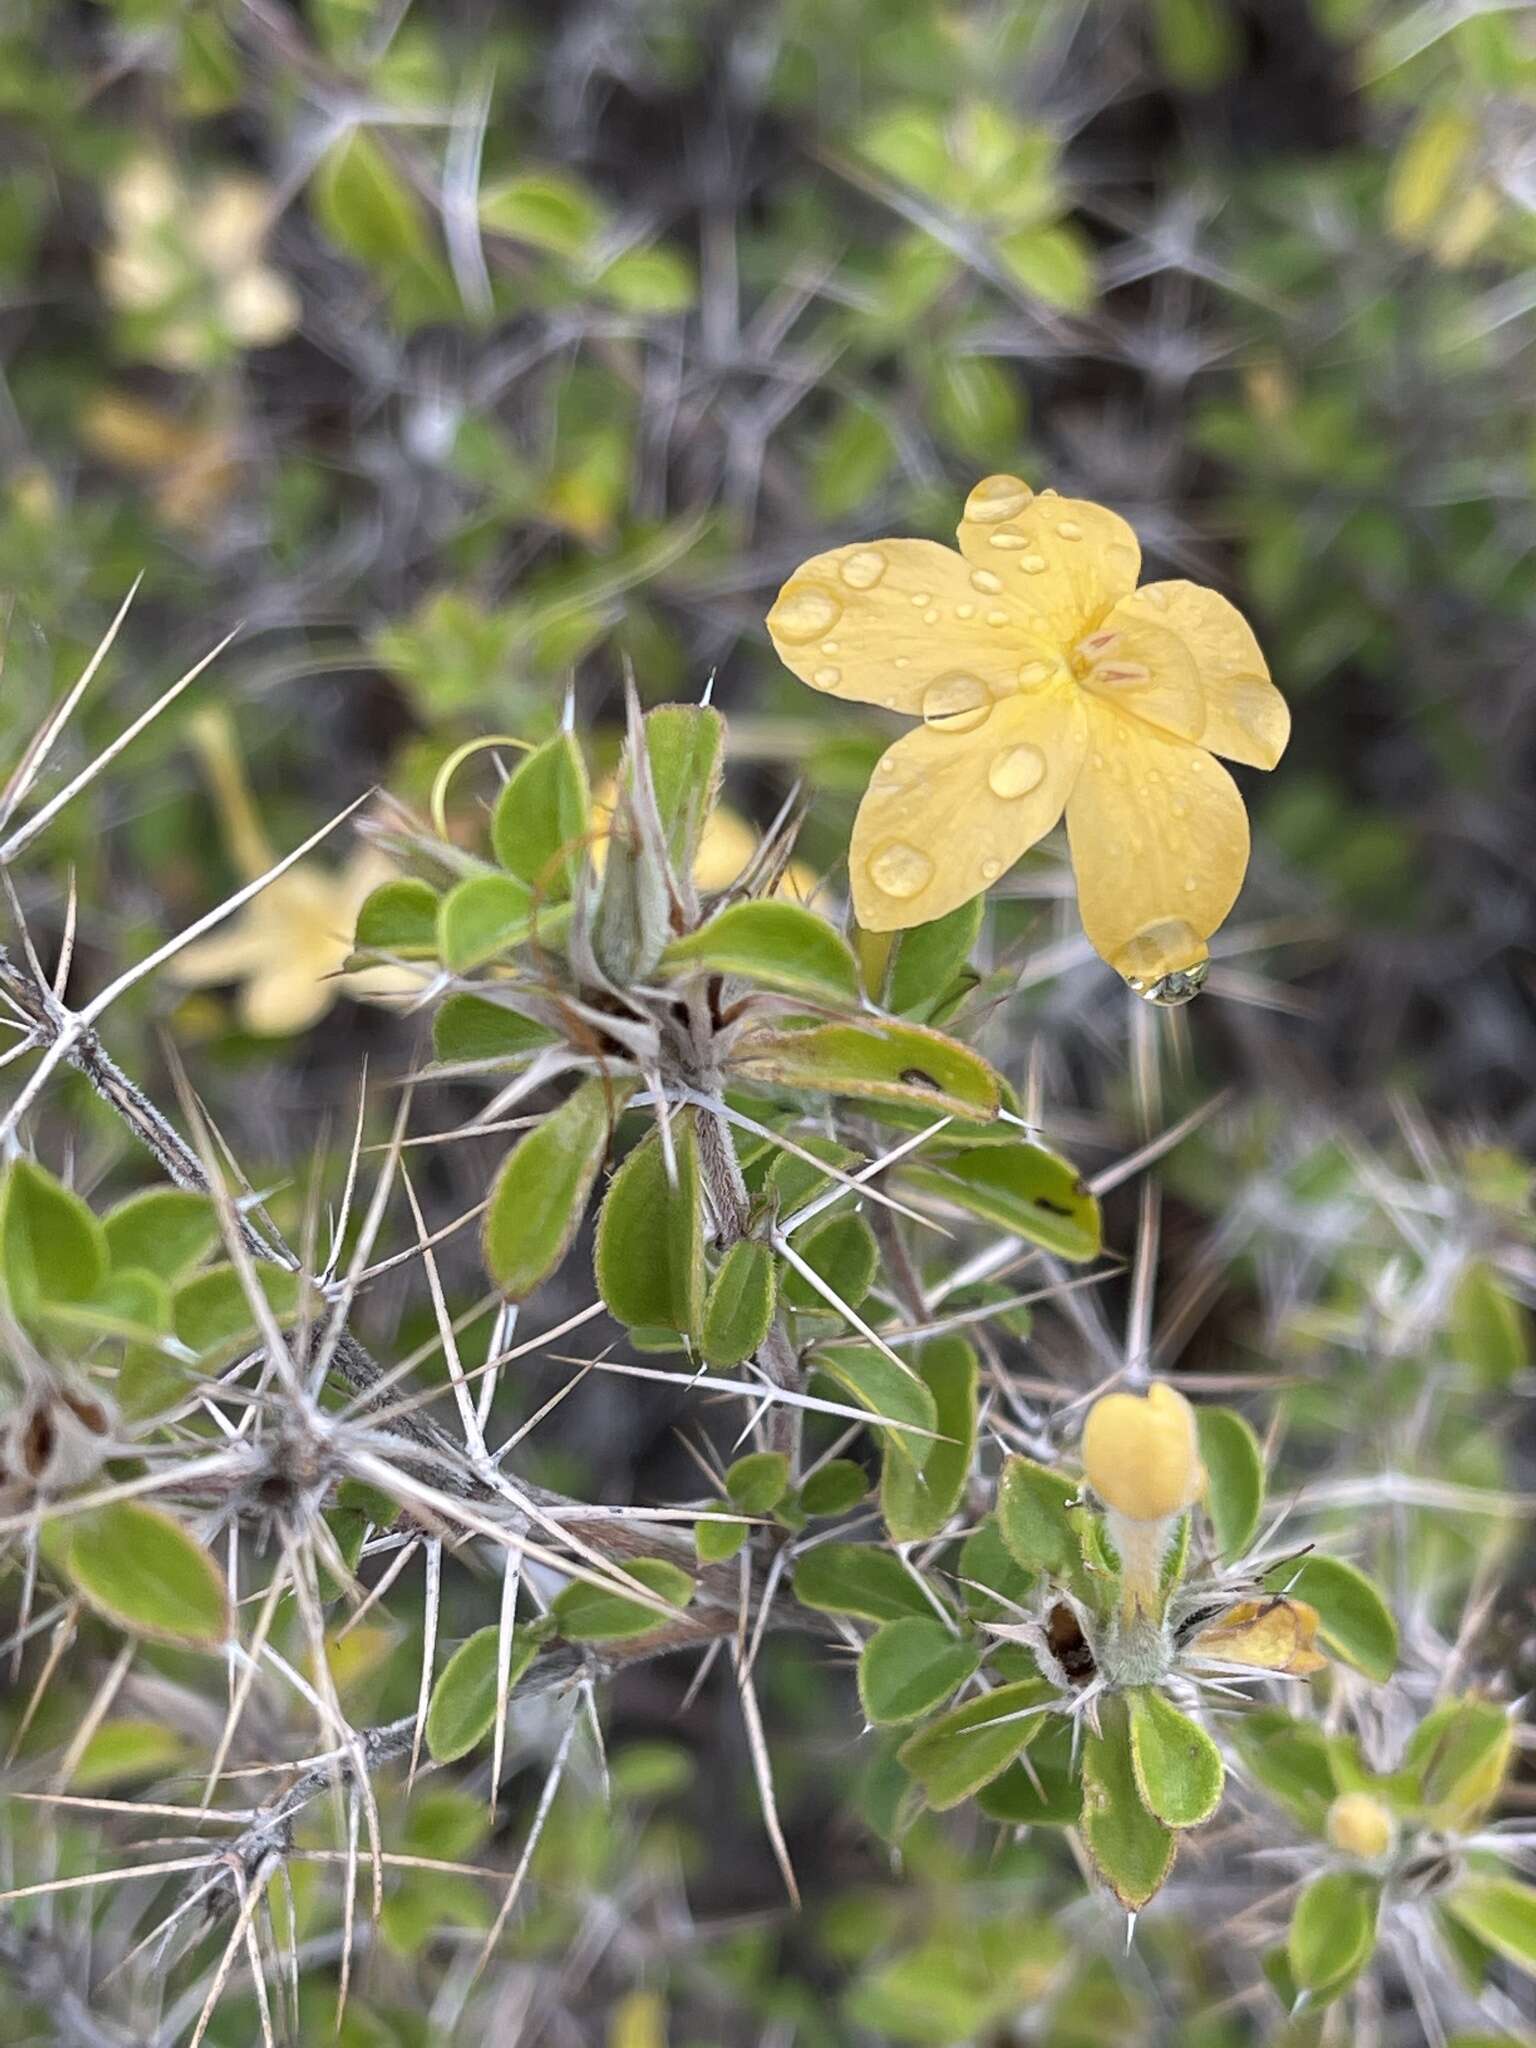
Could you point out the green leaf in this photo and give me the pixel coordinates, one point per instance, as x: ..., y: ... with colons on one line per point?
x: 843, y: 1251
x: 891, y: 1393
x: 1291, y: 1759
x: 918, y: 1498
x: 657, y: 280
x: 1033, y: 1518
x: 463, y: 1703
x: 853, y: 455
x: 51, y: 1247
x: 1021, y: 1188
x: 1197, y: 42
x: 540, y: 1195
x: 774, y: 945
x: 1353, y: 1619
x: 211, y: 1312
x: 738, y: 1310
x: 1131, y: 1849
x: 974, y: 403
x: 924, y: 960
x: 164, y: 1231
x: 1501, y: 1912
x: 994, y: 1584
x: 856, y: 1578
x: 143, y: 1570
x: 1460, y: 1754
x: 591, y: 1614
x: 758, y: 1482
x: 399, y: 918
x: 1179, y: 1772
x: 956, y: 1755
x: 545, y: 209
x: 540, y: 822
x: 1333, y: 1930
x: 1234, y: 1470
x: 686, y: 745
x: 470, y: 1027
x: 714, y: 1542
x: 796, y: 1181
x: 481, y: 918
x: 1044, y: 1789
x: 649, y: 1257
x: 1488, y: 1329
x: 366, y: 208
x: 839, y: 1485
x: 873, y: 1061
x: 1055, y: 263
x: 909, y: 1667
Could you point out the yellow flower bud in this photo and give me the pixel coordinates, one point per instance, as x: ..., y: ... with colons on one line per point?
x: 1141, y: 1455
x: 1360, y: 1826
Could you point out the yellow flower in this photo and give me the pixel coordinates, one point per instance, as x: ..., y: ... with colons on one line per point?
x: 1276, y: 1634
x: 287, y: 946
x: 1141, y: 1454
x: 1046, y: 682
x: 1361, y: 1826
x: 191, y: 261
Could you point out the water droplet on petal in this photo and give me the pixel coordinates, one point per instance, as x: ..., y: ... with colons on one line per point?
x: 957, y: 703
x: 984, y: 581
x: 965, y: 611
x: 803, y: 613
x: 921, y: 597
x: 829, y: 646
x: 900, y: 870
x: 1034, y: 673
x: 1016, y: 772
x: 990, y: 870
x: 863, y: 570
x: 997, y: 618
x: 1007, y: 540
x: 1069, y: 529
x: 931, y: 616
x: 1032, y: 565
x: 997, y: 497
x: 827, y: 678
x: 1165, y: 962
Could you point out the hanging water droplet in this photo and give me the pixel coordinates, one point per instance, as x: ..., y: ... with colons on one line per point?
x: 827, y: 678
x: 957, y: 703
x: 1165, y: 963
x: 900, y: 870
x: 863, y: 570
x: 988, y: 584
x: 1032, y: 565
x: 997, y: 497
x: 1016, y: 772
x: 803, y: 613
x: 1069, y: 529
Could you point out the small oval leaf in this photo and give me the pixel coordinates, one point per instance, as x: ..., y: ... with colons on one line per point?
x: 1333, y: 1930
x: 649, y: 1257
x: 1179, y: 1771
x: 540, y: 822
x: 481, y: 918
x: 953, y: 1757
x: 463, y: 1703
x: 540, y: 1194
x: 1234, y: 1472
x: 773, y: 945
x: 592, y: 1614
x: 1020, y: 1187
x: 918, y: 1496
x: 738, y: 1310
x: 873, y: 1060
x: 1131, y: 1849
x: 143, y: 1570
x: 910, y: 1667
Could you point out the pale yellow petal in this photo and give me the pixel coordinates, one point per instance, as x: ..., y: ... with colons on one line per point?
x: 286, y: 999
x: 1159, y: 841
x: 1065, y: 561
x: 1267, y: 1635
x: 948, y: 811
x: 228, y: 223
x: 891, y: 620
x: 1137, y: 665
x: 229, y: 955
x: 259, y: 307
x: 1246, y: 718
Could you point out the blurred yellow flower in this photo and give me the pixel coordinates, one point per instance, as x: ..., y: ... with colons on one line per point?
x: 1361, y: 1826
x: 287, y: 946
x: 1276, y: 1634
x: 726, y: 846
x: 192, y: 467
x: 1046, y: 682
x: 189, y: 263
x: 1141, y: 1453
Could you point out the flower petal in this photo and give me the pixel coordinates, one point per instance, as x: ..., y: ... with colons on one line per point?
x: 1266, y: 1635
x: 239, y: 949
x: 948, y: 811
x: 1159, y: 840
x: 286, y: 999
x: 1246, y: 718
x: 1063, y: 560
x: 885, y: 622
x: 1138, y: 666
